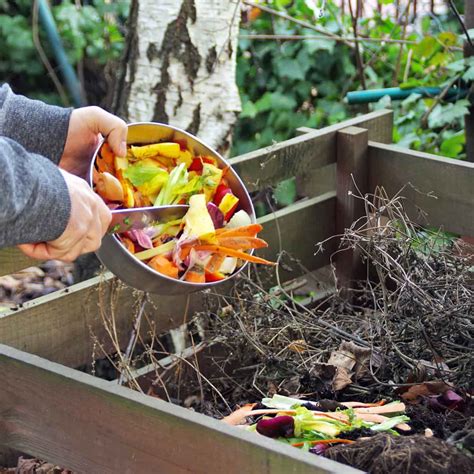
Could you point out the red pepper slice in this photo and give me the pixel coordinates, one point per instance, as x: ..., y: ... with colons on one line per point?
x: 231, y: 212
x: 217, y: 276
x: 208, y: 159
x: 221, y: 191
x: 196, y: 165
x: 183, y: 146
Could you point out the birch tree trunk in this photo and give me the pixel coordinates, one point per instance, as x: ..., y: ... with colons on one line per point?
x: 179, y: 67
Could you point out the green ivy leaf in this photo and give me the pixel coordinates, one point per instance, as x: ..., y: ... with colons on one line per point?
x: 285, y: 192
x: 453, y: 145
x: 282, y: 102
x: 469, y: 74
x: 447, y: 38
x: 289, y: 68
x: 449, y: 113
x: 249, y: 110
x: 426, y: 47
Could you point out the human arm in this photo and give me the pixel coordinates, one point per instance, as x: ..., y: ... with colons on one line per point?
x: 41, y: 203
x: 39, y: 128
x: 67, y: 137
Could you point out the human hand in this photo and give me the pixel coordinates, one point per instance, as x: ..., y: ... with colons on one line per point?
x: 86, y: 126
x: 88, y: 222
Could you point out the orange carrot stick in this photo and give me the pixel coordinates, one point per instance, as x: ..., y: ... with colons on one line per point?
x: 241, y: 243
x: 233, y: 253
x: 195, y: 277
x: 250, y: 230
x: 391, y: 408
x: 362, y: 405
x: 215, y: 263
x: 324, y: 441
x: 163, y: 265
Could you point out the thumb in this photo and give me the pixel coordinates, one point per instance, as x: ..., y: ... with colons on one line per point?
x: 114, y: 129
x: 37, y: 251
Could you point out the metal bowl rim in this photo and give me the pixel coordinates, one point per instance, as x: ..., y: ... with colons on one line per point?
x: 142, y: 265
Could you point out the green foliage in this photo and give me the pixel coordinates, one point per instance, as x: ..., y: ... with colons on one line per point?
x: 91, y: 32
x: 287, y: 84
x: 86, y: 32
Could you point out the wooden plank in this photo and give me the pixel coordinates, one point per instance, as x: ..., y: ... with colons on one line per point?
x: 378, y: 123
x: 297, y: 229
x: 304, y: 154
x: 58, y: 326
x: 12, y: 260
x: 316, y: 181
x: 82, y: 423
x: 451, y: 181
x: 352, y: 145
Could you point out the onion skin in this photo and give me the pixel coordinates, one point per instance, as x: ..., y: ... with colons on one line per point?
x: 275, y: 427
x: 108, y: 187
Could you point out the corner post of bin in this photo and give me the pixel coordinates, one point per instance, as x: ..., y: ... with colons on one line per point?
x: 351, y: 180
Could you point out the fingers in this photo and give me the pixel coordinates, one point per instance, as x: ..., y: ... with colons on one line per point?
x: 88, y: 222
x: 112, y: 127
x: 36, y: 251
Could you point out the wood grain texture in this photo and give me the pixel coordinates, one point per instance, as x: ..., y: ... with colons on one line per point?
x: 449, y: 182
x: 58, y: 326
x: 83, y: 423
x: 297, y: 229
x: 315, y: 181
x: 12, y: 260
x: 378, y: 123
x: 351, y: 177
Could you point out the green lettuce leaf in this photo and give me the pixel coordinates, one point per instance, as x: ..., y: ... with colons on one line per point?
x: 177, y: 179
x: 193, y: 186
x: 389, y: 424
x: 281, y: 402
x: 145, y: 171
x: 308, y: 423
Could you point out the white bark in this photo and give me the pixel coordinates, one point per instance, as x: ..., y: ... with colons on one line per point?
x: 180, y: 66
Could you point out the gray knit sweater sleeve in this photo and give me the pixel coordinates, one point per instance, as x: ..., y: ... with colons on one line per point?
x: 34, y: 199
x: 38, y: 127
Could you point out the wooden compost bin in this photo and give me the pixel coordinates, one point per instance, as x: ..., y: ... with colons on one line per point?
x: 52, y: 411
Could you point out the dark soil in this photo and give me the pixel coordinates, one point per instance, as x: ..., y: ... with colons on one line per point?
x: 386, y: 454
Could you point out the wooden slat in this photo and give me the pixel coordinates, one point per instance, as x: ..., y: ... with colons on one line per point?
x: 297, y: 229
x: 352, y: 161
x: 82, y: 423
x: 12, y: 260
x: 302, y: 155
x: 451, y: 181
x: 316, y: 181
x: 378, y: 123
x: 58, y: 326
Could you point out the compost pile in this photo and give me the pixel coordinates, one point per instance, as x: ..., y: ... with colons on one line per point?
x: 404, y: 333
x: 33, y: 282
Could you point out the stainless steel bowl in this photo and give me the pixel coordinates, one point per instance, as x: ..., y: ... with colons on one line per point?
x: 120, y: 261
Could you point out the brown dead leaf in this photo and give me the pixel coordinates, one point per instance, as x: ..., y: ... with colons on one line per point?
x: 351, y: 362
x: 299, y: 345
x: 414, y: 392
x: 341, y: 380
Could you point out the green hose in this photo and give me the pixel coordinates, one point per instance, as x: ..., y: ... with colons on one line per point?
x: 395, y: 93
x: 71, y: 81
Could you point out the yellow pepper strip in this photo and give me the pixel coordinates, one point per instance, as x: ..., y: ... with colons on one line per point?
x: 121, y: 164
x: 167, y: 149
x: 228, y: 202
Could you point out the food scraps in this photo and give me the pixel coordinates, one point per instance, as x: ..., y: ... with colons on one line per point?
x: 214, y: 237
x: 310, y: 426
